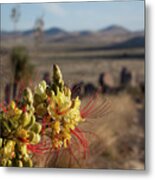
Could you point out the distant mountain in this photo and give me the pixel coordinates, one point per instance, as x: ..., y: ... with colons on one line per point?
x: 131, y: 43
x: 52, y: 31
x: 55, y: 31
x: 115, y: 29
x: 114, y: 35
x: 3, y: 32
x: 27, y: 32
x: 85, y: 33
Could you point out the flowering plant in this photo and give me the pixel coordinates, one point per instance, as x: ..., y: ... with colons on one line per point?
x: 60, y: 113
x: 19, y: 129
x: 22, y: 133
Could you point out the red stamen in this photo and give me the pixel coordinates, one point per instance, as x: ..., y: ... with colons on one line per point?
x: 40, y: 148
x: 85, y: 142
x: 24, y: 108
x: 100, y: 110
x: 82, y: 140
x: 72, y: 154
x: 4, y: 109
x: 85, y: 113
x: 87, y: 105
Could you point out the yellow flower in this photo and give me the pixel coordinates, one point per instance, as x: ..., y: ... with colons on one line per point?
x: 65, y: 114
x: 56, y: 126
x: 56, y: 143
x: 9, y: 148
x: 13, y: 110
x: 67, y: 138
x: 59, y: 105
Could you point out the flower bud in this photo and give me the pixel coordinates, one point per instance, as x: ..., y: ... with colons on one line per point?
x: 23, y: 149
x: 33, y: 119
x: 36, y: 128
x: 1, y: 142
x: 28, y: 95
x: 57, y: 76
x: 19, y: 163
x: 9, y: 148
x: 9, y: 163
x: 4, y: 162
x: 27, y: 162
x: 34, y: 138
x: 25, y: 119
x: 41, y: 90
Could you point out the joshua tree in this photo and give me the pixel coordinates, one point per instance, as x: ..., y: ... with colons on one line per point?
x: 38, y: 29
x: 15, y: 15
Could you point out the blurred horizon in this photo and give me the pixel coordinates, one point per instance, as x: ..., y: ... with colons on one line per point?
x: 77, y: 16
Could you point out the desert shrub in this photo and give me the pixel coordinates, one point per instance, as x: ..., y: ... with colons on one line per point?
x: 22, y: 69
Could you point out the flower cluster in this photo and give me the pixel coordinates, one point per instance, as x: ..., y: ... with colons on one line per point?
x: 22, y: 134
x: 60, y: 112
x: 19, y: 129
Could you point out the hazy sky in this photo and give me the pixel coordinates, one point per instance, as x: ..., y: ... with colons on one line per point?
x: 77, y: 16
